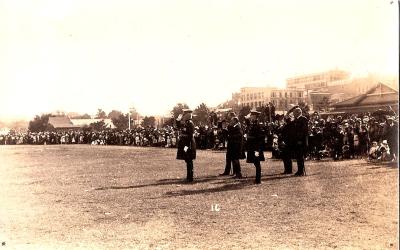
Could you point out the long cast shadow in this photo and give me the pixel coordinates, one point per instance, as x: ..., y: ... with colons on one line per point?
x: 161, y: 182
x: 244, y: 183
x: 224, y: 188
x: 238, y: 184
x: 164, y: 182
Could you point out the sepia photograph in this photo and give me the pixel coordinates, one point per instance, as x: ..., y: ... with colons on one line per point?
x: 213, y: 124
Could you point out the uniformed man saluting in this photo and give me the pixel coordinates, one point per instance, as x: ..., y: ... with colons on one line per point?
x: 255, y: 140
x: 186, y: 143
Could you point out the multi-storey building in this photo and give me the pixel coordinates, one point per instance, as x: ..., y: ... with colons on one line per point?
x: 283, y: 98
x: 254, y: 96
x: 260, y: 96
x: 317, y: 80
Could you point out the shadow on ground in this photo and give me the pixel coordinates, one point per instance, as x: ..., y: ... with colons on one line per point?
x: 228, y: 184
x: 161, y: 182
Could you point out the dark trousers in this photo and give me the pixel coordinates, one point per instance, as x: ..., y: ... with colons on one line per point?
x: 299, y: 154
x: 258, y: 169
x: 228, y: 165
x: 287, y: 164
x: 287, y: 161
x: 189, y: 170
x: 235, y: 165
x: 393, y: 145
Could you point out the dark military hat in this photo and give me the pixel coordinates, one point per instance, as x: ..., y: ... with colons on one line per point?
x: 255, y: 112
x: 232, y: 114
x: 187, y: 111
x: 186, y: 114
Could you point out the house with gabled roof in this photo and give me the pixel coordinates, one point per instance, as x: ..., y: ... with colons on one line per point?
x: 380, y: 96
x: 62, y: 122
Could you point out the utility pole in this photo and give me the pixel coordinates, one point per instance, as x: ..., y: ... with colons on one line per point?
x: 131, y: 109
x: 129, y: 119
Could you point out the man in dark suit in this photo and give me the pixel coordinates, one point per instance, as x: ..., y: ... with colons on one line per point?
x: 285, y: 144
x: 234, y: 147
x: 300, y: 140
x: 392, y: 137
x: 186, y: 144
x: 255, y: 141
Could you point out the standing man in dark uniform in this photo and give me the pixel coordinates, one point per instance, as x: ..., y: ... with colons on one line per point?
x: 392, y: 137
x: 255, y: 140
x: 234, y: 147
x: 300, y: 128
x: 186, y: 144
x: 285, y: 144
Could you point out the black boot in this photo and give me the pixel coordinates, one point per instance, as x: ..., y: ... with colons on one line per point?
x: 236, y: 169
x: 300, y: 167
x: 227, y: 170
x: 189, y: 171
x: 258, y: 172
x: 300, y: 173
x: 287, y: 163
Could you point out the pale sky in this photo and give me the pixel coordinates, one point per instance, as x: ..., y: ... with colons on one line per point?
x: 81, y: 55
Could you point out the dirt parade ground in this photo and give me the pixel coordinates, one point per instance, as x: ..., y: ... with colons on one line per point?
x: 114, y: 197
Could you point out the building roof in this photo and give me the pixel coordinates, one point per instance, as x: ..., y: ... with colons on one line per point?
x: 381, y: 94
x: 86, y: 122
x: 61, y: 122
x: 328, y: 72
x: 319, y: 93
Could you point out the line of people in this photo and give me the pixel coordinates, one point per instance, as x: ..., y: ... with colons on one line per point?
x: 251, y: 139
x: 297, y: 137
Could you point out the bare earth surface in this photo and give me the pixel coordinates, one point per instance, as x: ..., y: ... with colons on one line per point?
x: 110, y: 197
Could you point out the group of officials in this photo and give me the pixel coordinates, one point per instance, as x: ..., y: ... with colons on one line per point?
x: 295, y: 141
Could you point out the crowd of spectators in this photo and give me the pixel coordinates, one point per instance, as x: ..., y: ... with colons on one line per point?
x: 165, y: 137
x: 342, y: 136
x: 206, y: 137
x: 348, y: 136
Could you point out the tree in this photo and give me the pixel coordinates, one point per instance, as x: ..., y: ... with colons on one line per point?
x: 243, y: 112
x: 149, y: 121
x: 114, y: 114
x: 98, y: 126
x: 120, y: 122
x: 40, y: 123
x: 18, y: 125
x: 304, y: 108
x: 325, y: 103
x: 177, y: 110
x: 59, y: 113
x: 201, y: 114
x: 84, y: 116
x: 213, y: 119
x: 169, y: 122
x: 101, y: 114
x: 263, y: 115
